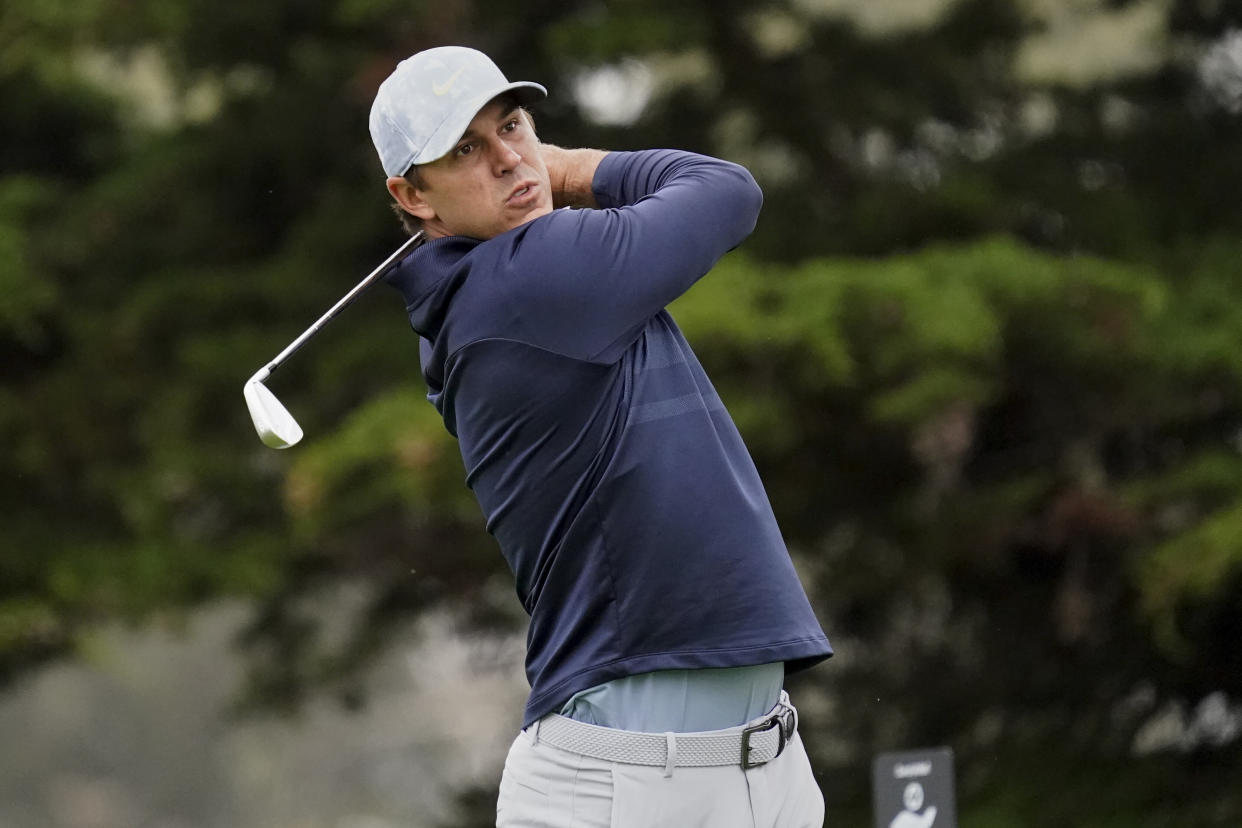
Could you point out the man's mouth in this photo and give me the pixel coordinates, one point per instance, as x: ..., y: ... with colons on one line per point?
x: 522, y: 195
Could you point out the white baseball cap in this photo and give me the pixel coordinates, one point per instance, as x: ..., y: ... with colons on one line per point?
x: 429, y: 100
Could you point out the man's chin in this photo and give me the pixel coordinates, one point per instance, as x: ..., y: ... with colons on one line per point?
x: 535, y: 211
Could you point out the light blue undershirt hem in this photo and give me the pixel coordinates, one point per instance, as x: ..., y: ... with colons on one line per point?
x: 681, y: 701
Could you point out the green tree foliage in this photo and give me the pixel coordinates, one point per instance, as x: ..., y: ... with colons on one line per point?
x: 983, y: 346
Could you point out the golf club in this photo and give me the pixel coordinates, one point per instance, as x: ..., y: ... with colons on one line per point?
x: 272, y: 420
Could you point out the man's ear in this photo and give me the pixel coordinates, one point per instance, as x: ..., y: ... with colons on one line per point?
x: 410, y: 198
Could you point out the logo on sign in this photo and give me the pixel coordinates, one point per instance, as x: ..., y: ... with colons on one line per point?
x: 910, y: 817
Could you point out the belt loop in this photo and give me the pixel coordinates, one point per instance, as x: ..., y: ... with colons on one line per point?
x: 538, y: 722
x: 670, y: 754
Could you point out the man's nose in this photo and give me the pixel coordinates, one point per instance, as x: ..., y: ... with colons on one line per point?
x: 505, y: 159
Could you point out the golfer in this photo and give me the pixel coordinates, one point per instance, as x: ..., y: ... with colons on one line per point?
x: 664, y: 609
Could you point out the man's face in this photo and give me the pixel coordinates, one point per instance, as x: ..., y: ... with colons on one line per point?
x: 493, y: 180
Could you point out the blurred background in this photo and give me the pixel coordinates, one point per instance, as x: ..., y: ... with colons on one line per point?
x: 985, y: 346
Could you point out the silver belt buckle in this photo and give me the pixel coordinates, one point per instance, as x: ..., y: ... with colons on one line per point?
x: 784, y: 722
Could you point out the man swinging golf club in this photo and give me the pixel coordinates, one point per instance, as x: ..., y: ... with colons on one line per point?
x: 664, y: 609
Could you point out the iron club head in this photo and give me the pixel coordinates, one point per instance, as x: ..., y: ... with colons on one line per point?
x: 272, y: 420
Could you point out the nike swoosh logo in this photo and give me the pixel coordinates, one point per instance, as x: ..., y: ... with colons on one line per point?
x: 443, y: 88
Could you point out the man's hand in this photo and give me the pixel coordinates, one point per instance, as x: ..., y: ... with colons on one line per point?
x: 571, y: 172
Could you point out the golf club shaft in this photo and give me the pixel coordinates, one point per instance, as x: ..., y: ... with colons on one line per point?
x: 266, y: 371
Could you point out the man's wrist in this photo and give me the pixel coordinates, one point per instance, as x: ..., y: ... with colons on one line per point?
x: 571, y: 173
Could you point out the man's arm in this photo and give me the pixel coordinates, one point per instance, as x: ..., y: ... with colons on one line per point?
x: 587, y: 281
x: 571, y: 172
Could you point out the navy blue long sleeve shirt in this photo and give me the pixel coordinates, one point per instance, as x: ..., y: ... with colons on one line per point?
x: 609, y: 471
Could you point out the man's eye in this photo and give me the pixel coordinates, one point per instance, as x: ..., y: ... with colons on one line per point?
x: 464, y: 149
x: 512, y: 125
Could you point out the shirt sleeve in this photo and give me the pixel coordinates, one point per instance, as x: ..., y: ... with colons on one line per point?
x: 585, y: 282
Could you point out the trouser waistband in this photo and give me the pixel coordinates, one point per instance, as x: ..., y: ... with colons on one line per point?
x: 750, y: 745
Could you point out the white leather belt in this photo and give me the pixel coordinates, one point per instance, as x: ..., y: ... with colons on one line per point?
x: 750, y: 745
